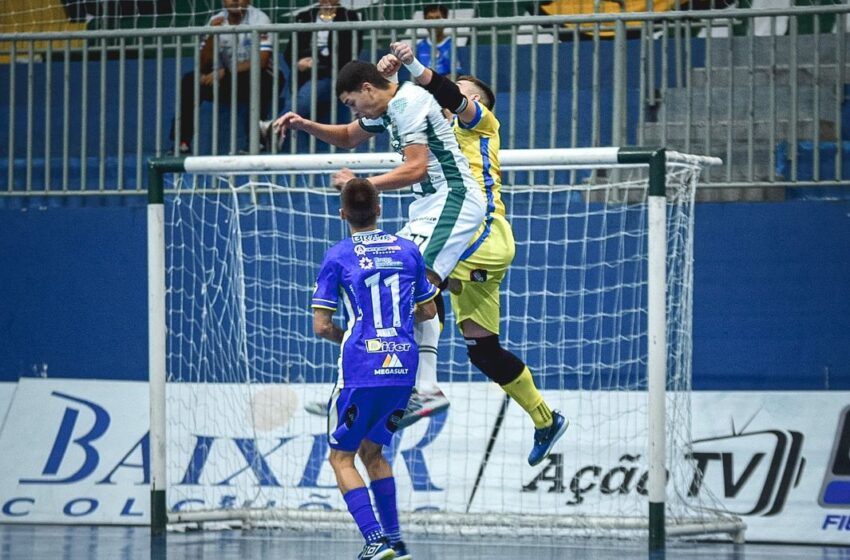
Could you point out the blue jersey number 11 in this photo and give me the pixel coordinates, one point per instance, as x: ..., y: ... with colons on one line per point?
x: 373, y: 282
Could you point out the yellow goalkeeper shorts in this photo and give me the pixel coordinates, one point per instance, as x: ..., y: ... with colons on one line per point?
x: 481, y: 275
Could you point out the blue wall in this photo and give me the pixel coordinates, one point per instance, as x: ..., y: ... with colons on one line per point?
x: 771, y: 305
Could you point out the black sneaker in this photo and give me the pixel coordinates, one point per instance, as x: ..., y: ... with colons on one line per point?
x: 401, y: 552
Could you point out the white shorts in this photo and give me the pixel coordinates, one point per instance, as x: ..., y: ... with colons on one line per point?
x: 443, y: 225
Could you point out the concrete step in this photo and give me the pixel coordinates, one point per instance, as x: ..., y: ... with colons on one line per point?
x: 828, y: 75
x: 729, y: 51
x: 741, y: 132
x: 679, y: 102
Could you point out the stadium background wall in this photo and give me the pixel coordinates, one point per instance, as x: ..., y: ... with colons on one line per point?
x: 771, y: 309
x: 522, y: 90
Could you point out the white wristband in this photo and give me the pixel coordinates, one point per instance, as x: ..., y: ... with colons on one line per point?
x: 415, y: 68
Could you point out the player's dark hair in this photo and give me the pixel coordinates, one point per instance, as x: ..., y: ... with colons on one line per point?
x: 360, y: 202
x: 436, y: 7
x: 487, y: 96
x: 354, y: 74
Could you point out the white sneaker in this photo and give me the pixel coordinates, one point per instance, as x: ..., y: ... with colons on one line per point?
x: 422, y: 405
x: 319, y: 408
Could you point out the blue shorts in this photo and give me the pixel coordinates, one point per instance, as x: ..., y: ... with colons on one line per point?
x: 362, y: 413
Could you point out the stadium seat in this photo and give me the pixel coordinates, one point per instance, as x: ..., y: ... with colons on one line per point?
x: 589, y: 7
x: 27, y: 16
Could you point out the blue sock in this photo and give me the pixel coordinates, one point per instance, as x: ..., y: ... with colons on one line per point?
x: 360, y: 508
x: 385, y: 501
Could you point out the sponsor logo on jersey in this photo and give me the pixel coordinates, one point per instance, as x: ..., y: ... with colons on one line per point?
x: 392, y: 361
x: 359, y: 250
x: 426, y: 219
x: 478, y: 275
x: 382, y: 249
x: 376, y: 345
x: 399, y: 104
x: 391, y: 366
x: 374, y: 238
x: 388, y: 263
x: 365, y: 263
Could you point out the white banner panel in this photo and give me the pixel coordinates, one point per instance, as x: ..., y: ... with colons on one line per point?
x: 77, y: 452
x: 781, y: 460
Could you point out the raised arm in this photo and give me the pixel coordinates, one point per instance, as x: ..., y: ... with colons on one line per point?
x: 340, y: 135
x: 446, y: 92
x: 413, y: 169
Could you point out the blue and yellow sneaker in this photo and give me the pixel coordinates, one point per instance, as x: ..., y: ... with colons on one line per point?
x: 545, y: 438
x: 401, y: 552
x: 380, y: 550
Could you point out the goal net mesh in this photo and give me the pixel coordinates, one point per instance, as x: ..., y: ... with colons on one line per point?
x: 243, y: 364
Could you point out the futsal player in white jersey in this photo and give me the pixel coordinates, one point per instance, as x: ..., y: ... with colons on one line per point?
x: 449, y: 210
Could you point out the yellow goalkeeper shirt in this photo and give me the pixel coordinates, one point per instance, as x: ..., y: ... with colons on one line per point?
x: 479, y: 142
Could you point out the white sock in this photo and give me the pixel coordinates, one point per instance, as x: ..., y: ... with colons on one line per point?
x: 427, y: 334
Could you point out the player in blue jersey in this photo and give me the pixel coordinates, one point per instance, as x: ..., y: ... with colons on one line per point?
x: 380, y: 280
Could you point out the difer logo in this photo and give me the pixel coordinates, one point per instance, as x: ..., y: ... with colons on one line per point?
x: 835, y: 492
x: 376, y: 345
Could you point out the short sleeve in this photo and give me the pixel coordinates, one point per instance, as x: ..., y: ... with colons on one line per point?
x: 265, y: 38
x: 223, y: 14
x: 326, y: 294
x: 484, y: 122
x: 410, y: 115
x: 372, y: 126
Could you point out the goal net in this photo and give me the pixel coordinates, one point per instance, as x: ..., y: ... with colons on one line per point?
x: 243, y: 239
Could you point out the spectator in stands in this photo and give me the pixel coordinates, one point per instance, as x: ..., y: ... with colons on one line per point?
x: 346, y: 44
x: 230, y: 46
x: 443, y: 48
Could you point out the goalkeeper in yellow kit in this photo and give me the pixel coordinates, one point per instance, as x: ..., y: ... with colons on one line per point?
x: 475, y: 282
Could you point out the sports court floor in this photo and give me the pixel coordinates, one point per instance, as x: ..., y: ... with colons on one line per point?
x: 42, y: 542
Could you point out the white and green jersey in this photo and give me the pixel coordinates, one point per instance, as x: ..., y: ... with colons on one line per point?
x: 448, y: 215
x: 414, y: 117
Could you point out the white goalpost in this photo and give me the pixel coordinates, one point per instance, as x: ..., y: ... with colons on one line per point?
x: 598, y: 303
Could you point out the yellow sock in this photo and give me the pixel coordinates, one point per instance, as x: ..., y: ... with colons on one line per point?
x: 525, y: 393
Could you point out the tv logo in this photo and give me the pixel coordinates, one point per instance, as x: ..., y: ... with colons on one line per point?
x: 756, y: 470
x: 835, y: 492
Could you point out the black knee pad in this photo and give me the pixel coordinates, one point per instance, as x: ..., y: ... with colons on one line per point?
x: 494, y: 361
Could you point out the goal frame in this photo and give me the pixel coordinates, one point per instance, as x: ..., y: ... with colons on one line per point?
x: 654, y: 158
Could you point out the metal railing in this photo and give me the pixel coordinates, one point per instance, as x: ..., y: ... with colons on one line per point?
x: 84, y: 120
